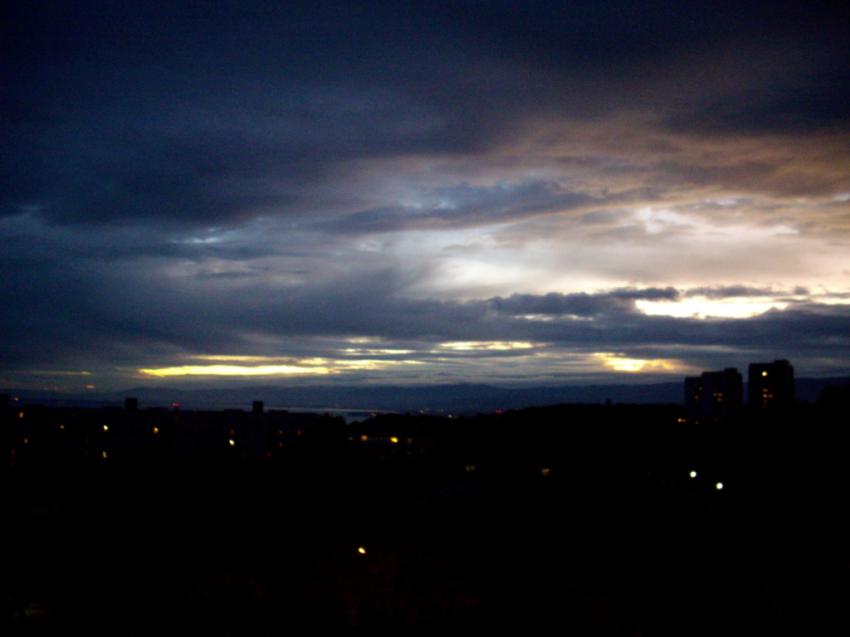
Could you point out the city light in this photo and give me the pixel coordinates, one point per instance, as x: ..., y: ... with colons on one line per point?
x: 394, y: 440
x: 545, y: 472
x: 106, y: 428
x: 361, y: 550
x: 231, y: 442
x: 693, y: 474
x: 719, y: 486
x: 155, y: 430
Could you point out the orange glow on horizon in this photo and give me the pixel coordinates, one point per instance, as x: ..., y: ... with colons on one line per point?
x: 240, y: 366
x: 620, y: 363
x: 235, y: 370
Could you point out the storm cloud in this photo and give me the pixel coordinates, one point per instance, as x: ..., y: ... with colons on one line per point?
x: 255, y: 179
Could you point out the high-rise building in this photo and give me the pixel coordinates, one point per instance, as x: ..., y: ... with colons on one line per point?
x: 771, y: 385
x: 713, y: 396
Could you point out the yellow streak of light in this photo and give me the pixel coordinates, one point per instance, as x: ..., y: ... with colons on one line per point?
x: 701, y: 307
x: 487, y: 346
x: 236, y: 370
x: 635, y: 365
x: 236, y: 365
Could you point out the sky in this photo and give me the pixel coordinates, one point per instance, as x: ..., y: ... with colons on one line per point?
x: 421, y: 192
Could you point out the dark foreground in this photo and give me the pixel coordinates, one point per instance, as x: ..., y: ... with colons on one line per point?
x: 569, y: 520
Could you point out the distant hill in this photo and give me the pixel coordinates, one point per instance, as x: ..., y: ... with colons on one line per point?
x: 463, y: 398
x: 456, y: 398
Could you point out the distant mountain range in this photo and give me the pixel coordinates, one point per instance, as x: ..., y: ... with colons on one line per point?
x: 457, y: 398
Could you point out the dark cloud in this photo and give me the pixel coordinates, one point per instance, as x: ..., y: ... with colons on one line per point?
x: 275, y: 177
x: 466, y: 205
x: 78, y: 314
x: 178, y: 114
x: 583, y: 305
x: 736, y: 291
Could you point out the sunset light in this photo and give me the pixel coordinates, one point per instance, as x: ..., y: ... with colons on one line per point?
x: 701, y: 307
x: 620, y: 363
x: 284, y: 214
x: 236, y: 370
x: 417, y: 318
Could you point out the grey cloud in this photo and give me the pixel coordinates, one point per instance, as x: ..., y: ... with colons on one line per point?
x: 730, y: 291
x: 177, y: 116
x: 585, y: 305
x: 65, y: 314
x: 465, y: 205
x: 817, y: 101
x: 177, y: 180
x: 63, y: 309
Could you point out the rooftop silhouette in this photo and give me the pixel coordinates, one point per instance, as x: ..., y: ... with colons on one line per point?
x: 268, y: 520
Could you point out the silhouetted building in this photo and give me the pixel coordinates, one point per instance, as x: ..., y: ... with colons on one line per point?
x: 714, y: 395
x: 257, y: 407
x: 771, y: 385
x: 835, y: 398
x: 131, y: 404
x: 693, y: 394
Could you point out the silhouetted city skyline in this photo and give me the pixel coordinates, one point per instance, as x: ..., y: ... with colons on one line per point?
x: 261, y: 520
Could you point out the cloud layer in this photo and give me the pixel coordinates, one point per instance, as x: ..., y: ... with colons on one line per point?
x: 616, y: 179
